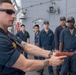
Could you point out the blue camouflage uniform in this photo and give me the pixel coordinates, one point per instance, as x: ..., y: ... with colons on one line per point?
x: 69, y: 45
x: 46, y: 41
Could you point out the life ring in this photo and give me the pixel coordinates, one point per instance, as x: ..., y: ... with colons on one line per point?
x: 17, y: 27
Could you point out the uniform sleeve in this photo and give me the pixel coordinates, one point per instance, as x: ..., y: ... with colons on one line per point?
x: 53, y: 43
x: 17, y: 34
x: 56, y: 39
x: 28, y: 36
x: 61, y: 36
x: 8, y: 55
x: 39, y: 40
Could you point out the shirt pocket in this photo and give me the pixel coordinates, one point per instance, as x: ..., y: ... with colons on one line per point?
x: 74, y: 39
x: 50, y: 37
x: 66, y: 37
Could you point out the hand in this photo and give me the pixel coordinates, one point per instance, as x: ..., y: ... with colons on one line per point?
x: 56, y: 60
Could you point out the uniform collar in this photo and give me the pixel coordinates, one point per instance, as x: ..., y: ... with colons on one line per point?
x: 23, y: 33
x: 62, y: 27
x: 67, y: 29
x: 1, y: 30
x: 38, y: 33
x: 44, y: 30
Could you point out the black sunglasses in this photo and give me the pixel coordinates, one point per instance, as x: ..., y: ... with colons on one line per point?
x: 8, y: 11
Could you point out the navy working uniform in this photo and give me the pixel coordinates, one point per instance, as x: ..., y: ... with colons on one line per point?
x: 24, y: 37
x: 9, y: 53
x: 36, y: 42
x: 57, y: 35
x: 46, y: 41
x: 69, y: 45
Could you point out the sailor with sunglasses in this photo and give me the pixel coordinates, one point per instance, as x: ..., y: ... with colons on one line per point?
x: 11, y: 60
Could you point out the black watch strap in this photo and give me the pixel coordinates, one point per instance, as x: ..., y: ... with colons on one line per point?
x: 50, y: 54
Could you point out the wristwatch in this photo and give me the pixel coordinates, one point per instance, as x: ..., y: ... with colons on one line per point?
x: 50, y: 54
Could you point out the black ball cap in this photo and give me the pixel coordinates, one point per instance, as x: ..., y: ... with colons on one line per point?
x: 62, y: 18
x: 71, y: 19
x: 46, y: 22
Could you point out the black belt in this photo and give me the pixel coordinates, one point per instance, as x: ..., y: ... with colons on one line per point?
x: 70, y: 49
x: 46, y: 45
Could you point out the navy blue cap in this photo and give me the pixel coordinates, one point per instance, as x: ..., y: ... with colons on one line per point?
x: 63, y: 18
x: 71, y: 19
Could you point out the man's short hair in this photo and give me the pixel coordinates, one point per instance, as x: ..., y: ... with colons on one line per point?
x: 62, y: 18
x: 46, y: 22
x: 22, y: 25
x: 36, y: 26
x: 5, y: 1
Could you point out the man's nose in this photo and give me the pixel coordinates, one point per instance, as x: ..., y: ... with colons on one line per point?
x: 14, y: 16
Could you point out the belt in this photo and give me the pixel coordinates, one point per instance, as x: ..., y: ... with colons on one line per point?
x: 71, y: 49
x: 46, y: 45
